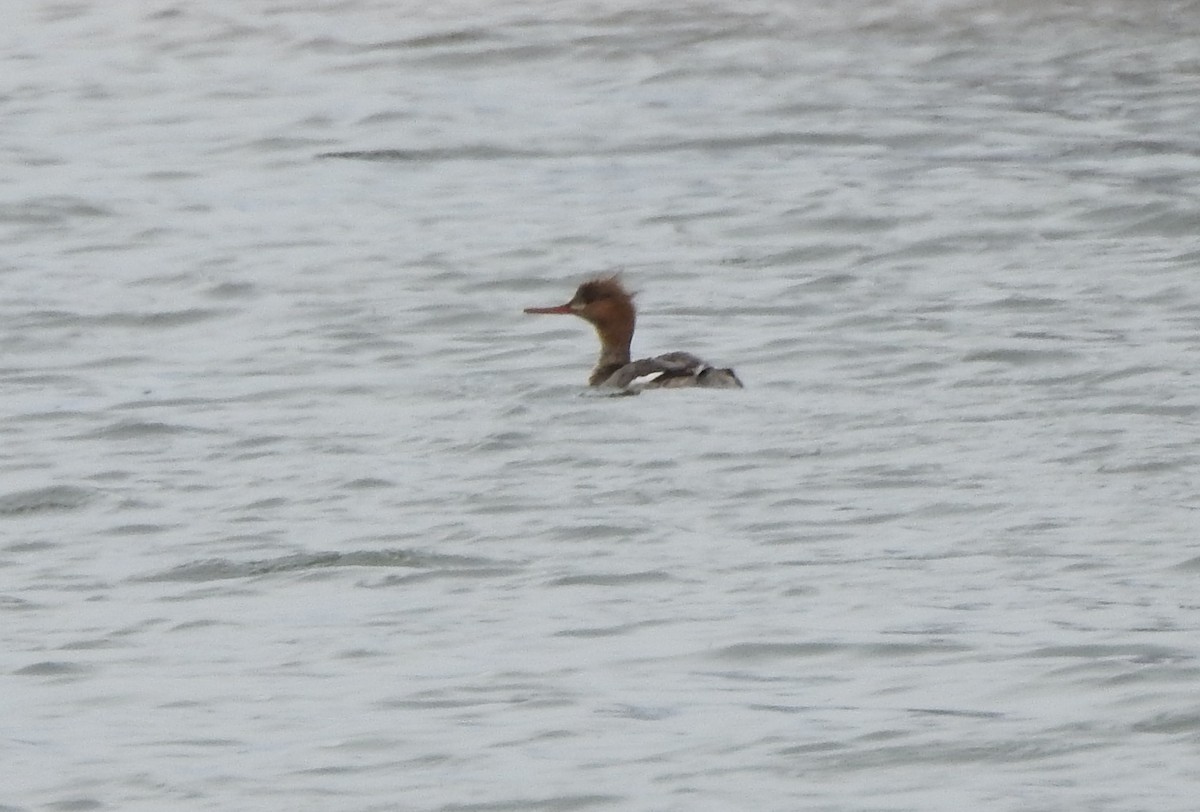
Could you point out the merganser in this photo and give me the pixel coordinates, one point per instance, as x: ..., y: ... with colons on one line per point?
x: 609, y: 308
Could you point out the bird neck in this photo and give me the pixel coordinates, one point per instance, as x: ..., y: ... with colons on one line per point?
x: 615, y: 338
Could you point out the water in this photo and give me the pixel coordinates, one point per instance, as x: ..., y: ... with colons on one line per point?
x: 298, y: 510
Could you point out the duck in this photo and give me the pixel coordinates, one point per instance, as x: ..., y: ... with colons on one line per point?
x: 606, y: 305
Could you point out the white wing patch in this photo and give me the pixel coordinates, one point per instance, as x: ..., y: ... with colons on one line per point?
x: 642, y: 380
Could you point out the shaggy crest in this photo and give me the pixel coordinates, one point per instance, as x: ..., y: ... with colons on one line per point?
x: 602, y: 288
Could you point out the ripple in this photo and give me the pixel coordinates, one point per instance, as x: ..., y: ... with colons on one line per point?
x: 1021, y: 358
x: 44, y: 500
x: 233, y: 290
x: 221, y: 569
x: 612, y: 579
x: 157, y: 319
x: 149, y: 319
x: 1170, y: 723
x: 51, y: 211
x: 52, y: 668
x: 1141, y: 653
x: 773, y: 651
x: 473, y: 152
x: 557, y: 803
x: 137, y: 429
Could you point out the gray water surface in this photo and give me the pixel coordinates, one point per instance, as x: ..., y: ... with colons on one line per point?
x: 299, y: 511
